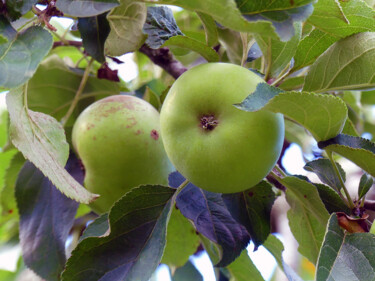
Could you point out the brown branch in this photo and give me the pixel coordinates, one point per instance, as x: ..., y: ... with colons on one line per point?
x: 164, y: 58
x: 369, y: 205
x: 67, y: 43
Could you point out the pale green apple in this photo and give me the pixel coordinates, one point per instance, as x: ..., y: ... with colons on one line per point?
x: 118, y: 140
x: 213, y: 144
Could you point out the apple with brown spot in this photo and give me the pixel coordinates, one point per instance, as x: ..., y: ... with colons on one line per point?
x: 118, y: 141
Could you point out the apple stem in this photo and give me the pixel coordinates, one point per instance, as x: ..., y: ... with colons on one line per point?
x: 208, y: 122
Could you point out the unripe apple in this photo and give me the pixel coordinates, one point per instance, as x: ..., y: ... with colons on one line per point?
x: 118, y: 140
x: 215, y: 145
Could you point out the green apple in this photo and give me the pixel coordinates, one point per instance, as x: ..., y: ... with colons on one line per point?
x: 213, y: 144
x: 118, y: 140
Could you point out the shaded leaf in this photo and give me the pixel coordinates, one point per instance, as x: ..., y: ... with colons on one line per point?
x: 16, y: 8
x: 323, y: 168
x: 160, y: 25
x: 46, y: 93
x: 182, y: 240
x: 225, y: 12
x: 283, y: 21
x: 253, y: 7
x: 41, y: 139
x: 85, y: 8
x: 323, y: 115
x: 242, y: 268
x: 134, y: 246
x: 358, y: 150
x: 210, y: 29
x: 278, y: 54
x: 36, y: 196
x: 22, y: 53
x: 94, y: 32
x: 353, y: 225
x: 365, y: 184
x: 346, y: 256
x: 211, y: 218
x: 346, y: 65
x: 252, y: 208
x: 187, y: 272
x: 97, y: 228
x: 331, y: 199
x: 126, y: 22
x: 189, y: 43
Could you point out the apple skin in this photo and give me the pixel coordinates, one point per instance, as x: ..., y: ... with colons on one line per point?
x: 213, y: 144
x: 118, y: 140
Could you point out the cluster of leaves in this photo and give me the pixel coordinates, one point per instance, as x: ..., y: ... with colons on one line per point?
x: 317, y: 58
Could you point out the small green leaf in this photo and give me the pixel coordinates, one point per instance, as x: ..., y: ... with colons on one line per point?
x: 85, y: 8
x: 224, y: 12
x: 21, y: 55
x: 323, y: 115
x: 187, y: 273
x: 365, y: 184
x: 349, y: 129
x: 160, y: 25
x: 210, y: 29
x: 358, y: 150
x: 242, y: 268
x: 182, y: 240
x: 278, y: 54
x: 331, y: 199
x: 346, y: 65
x: 324, y: 170
x: 346, y: 256
x: 189, y: 43
x: 41, y: 139
x: 126, y: 22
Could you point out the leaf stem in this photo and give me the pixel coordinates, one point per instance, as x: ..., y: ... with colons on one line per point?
x: 350, y: 201
x: 78, y: 93
x: 182, y: 186
x: 280, y: 170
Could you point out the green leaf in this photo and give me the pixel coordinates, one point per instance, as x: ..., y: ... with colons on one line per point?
x: 311, y: 47
x: 342, y: 18
x: 349, y: 129
x: 85, y: 8
x: 242, y: 268
x: 292, y: 83
x: 189, y: 43
x: 358, y: 150
x: 323, y: 115
x: 346, y: 256
x: 41, y: 139
x: 133, y: 247
x: 254, y: 7
x: 210, y: 29
x: 224, y: 12
x: 187, y: 273
x: 21, y: 55
x: 97, y: 228
x: 324, y: 170
x: 232, y: 43
x: 331, y: 199
x: 306, y: 194
x: 346, y: 65
x: 47, y: 94
x: 94, y: 32
x: 306, y: 228
x: 126, y: 22
x: 160, y: 25
x: 278, y: 54
x: 365, y: 184
x: 182, y: 240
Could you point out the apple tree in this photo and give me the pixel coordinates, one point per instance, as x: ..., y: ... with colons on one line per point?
x: 236, y: 83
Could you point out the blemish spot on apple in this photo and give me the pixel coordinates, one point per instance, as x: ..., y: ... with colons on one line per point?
x: 251, y: 193
x: 305, y: 196
x: 208, y: 122
x: 138, y: 132
x: 90, y: 126
x: 154, y: 134
x: 10, y: 211
x: 94, y: 138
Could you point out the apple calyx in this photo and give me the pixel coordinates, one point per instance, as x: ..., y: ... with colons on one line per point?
x: 208, y: 122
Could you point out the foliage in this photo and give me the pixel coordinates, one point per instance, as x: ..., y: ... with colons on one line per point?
x: 317, y: 60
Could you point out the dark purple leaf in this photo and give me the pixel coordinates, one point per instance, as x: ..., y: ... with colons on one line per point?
x: 106, y: 73
x: 252, y: 208
x: 211, y: 218
x: 46, y: 217
x: 133, y: 247
x: 94, y: 31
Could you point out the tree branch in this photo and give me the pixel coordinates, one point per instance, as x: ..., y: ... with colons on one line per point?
x: 67, y: 43
x: 369, y: 205
x: 164, y: 58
